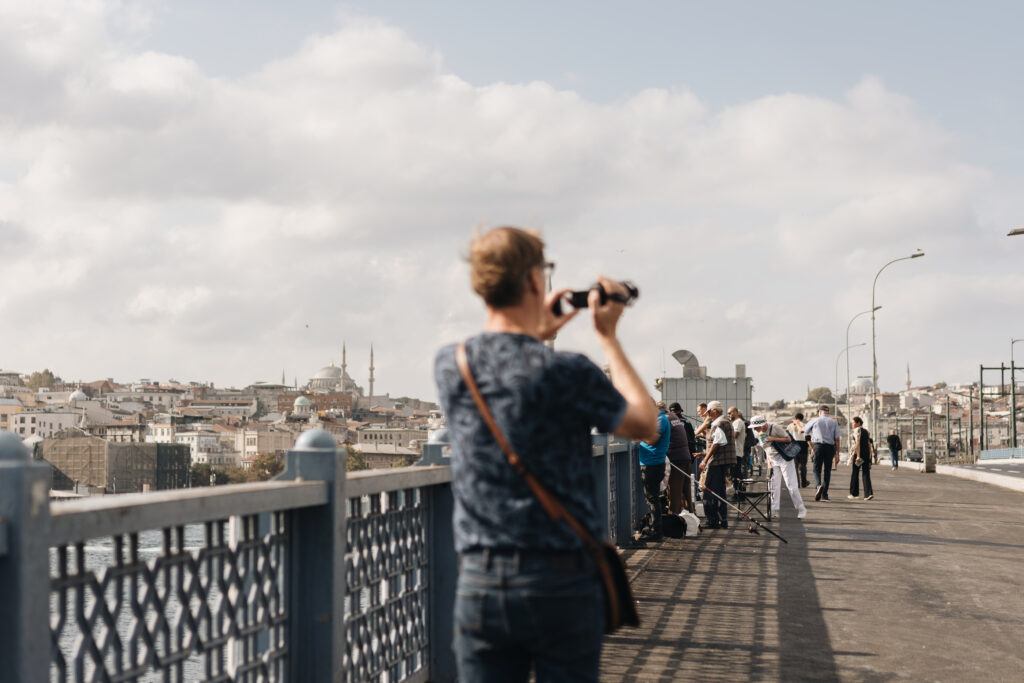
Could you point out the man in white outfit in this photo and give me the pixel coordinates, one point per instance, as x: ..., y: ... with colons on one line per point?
x: 782, y: 470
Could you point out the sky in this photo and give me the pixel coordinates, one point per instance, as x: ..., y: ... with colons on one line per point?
x: 225, y: 191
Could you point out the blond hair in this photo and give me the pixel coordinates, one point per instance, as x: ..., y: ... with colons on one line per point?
x: 500, y: 260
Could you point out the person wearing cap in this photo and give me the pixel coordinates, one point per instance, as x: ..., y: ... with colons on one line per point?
x: 719, y: 458
x: 769, y: 433
x: 680, y: 460
x: 824, y: 432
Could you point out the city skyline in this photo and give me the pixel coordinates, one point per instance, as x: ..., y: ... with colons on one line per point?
x: 213, y: 192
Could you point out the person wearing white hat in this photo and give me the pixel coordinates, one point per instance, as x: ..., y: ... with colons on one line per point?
x: 781, y: 469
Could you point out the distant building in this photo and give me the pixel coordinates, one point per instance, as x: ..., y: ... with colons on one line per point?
x: 43, y: 423
x: 92, y: 462
x: 378, y: 435
x: 695, y: 387
x: 8, y: 408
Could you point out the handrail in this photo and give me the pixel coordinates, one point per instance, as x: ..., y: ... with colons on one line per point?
x: 79, y: 520
x: 368, y: 482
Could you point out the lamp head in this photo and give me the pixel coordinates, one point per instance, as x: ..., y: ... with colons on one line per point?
x: 917, y: 253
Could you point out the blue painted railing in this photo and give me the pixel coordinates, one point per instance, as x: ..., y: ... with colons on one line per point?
x: 313, y: 576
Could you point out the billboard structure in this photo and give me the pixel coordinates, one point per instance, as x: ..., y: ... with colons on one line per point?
x: 696, y: 387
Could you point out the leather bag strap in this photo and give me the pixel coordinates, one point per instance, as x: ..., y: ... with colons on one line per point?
x: 551, y: 505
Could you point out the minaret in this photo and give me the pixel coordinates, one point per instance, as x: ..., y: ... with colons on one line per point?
x: 344, y: 364
x: 908, y: 376
x: 284, y: 382
x: 371, y: 375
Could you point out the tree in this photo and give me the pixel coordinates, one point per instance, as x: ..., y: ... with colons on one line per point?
x: 820, y: 395
x: 200, y: 473
x: 941, y: 385
x: 41, y: 380
x: 354, y: 460
x: 778, y: 405
x: 265, y: 466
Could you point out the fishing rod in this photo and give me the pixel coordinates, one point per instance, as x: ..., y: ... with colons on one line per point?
x: 749, y: 518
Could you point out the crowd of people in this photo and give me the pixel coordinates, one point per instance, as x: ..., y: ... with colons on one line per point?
x: 732, y: 449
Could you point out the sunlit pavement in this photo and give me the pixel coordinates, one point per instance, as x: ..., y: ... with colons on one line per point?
x: 921, y: 583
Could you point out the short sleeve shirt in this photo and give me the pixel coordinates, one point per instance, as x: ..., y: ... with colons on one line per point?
x: 718, y: 437
x: 823, y: 429
x: 655, y: 455
x: 545, y: 402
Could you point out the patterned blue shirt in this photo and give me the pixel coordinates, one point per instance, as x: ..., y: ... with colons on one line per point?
x: 655, y: 455
x: 545, y: 402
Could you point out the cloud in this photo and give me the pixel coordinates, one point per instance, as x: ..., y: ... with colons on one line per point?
x: 224, y: 228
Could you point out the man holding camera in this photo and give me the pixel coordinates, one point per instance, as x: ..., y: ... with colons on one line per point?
x: 528, y: 595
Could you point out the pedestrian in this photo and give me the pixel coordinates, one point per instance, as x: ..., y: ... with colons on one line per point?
x: 796, y: 428
x: 744, y: 442
x: 716, y: 461
x: 652, y: 453
x: 519, y: 568
x: 781, y: 470
x: 895, y: 446
x: 702, y: 413
x: 860, y: 453
x: 824, y: 433
x: 679, y: 486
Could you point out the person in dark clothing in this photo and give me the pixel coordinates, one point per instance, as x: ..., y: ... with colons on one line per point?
x: 679, y: 488
x: 860, y: 452
x: 895, y: 446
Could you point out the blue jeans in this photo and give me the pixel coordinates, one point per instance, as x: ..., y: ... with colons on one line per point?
x: 895, y: 458
x: 715, y: 510
x: 520, y: 609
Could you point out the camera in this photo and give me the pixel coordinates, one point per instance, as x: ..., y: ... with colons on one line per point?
x: 580, y: 299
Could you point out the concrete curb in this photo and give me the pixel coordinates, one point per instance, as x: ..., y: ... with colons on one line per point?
x: 1001, y: 480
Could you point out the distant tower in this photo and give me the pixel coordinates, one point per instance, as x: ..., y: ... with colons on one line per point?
x: 344, y: 364
x: 908, y: 376
x: 371, y: 375
x: 284, y: 382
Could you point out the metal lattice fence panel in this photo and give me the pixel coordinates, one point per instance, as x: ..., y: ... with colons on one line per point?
x: 386, y: 631
x: 197, y: 602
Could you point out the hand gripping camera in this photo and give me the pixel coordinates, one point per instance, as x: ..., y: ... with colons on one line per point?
x: 580, y: 299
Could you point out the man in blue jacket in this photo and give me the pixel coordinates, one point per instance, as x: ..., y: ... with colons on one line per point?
x: 652, y: 470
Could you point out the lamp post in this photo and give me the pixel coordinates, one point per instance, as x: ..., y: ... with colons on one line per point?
x: 835, y: 397
x: 874, y: 354
x: 1015, y: 231
x: 1013, y: 394
x: 848, y: 356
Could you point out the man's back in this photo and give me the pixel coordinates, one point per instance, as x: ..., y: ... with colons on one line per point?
x: 545, y: 402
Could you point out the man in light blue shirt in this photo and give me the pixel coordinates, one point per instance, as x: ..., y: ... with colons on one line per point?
x: 824, y: 431
x: 652, y: 454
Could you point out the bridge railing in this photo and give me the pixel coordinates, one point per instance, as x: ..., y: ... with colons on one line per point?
x: 313, y: 576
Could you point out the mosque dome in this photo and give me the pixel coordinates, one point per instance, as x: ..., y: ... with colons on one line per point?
x: 332, y: 371
x: 301, y: 402
x: 77, y: 395
x: 861, y: 386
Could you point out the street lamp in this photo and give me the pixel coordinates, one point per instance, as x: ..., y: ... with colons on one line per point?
x: 835, y: 397
x: 848, y: 346
x: 1015, y: 231
x: 874, y: 354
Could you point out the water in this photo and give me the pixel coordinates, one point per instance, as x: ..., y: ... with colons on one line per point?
x: 161, y: 584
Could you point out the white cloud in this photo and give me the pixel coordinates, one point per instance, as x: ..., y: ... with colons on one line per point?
x: 238, y: 226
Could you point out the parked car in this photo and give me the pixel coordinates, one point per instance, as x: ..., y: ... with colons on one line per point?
x: 915, y: 455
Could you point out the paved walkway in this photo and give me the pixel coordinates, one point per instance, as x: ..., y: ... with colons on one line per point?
x: 922, y: 583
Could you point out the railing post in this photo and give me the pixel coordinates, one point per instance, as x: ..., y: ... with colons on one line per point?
x: 602, y: 481
x: 443, y: 570
x: 316, y: 617
x: 24, y: 564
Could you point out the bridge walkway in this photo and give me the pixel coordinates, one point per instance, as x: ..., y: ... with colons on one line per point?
x: 922, y: 583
